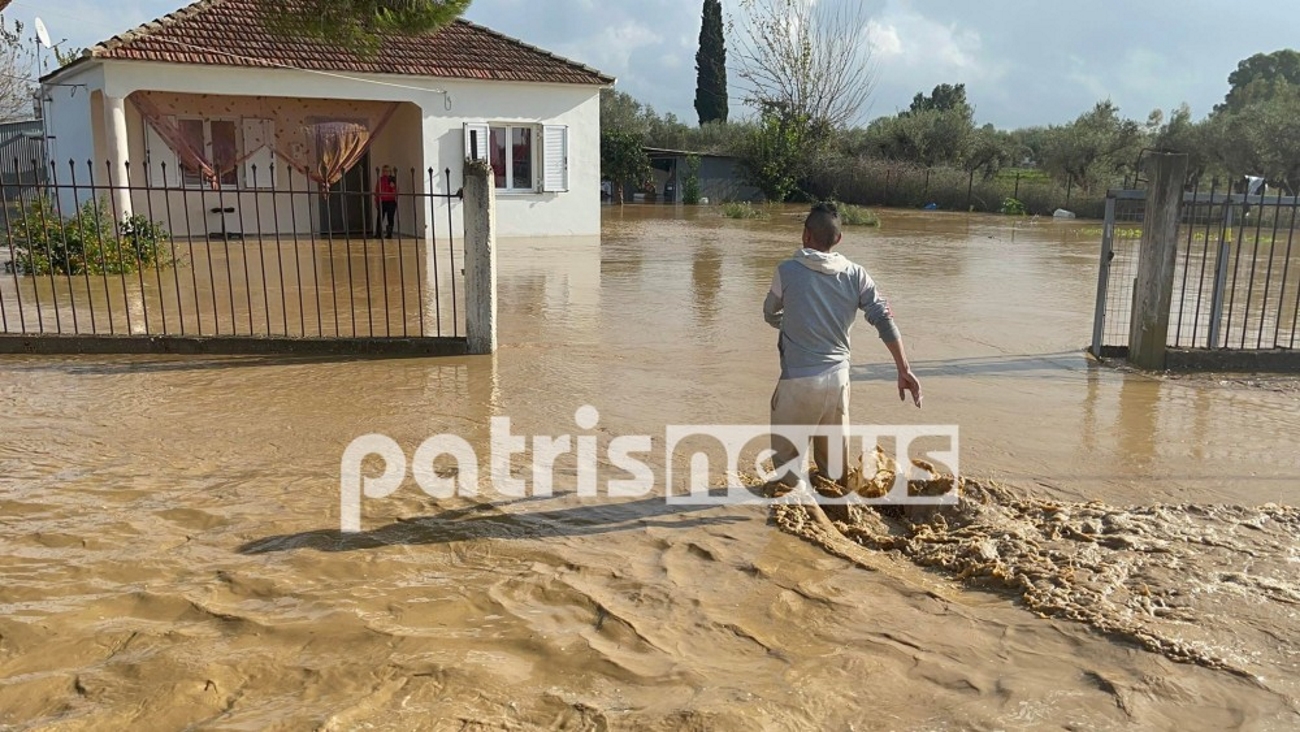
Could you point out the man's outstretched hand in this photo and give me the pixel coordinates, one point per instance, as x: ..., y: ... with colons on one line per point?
x: 907, y: 382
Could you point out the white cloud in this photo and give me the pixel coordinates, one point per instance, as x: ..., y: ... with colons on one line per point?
x: 885, y: 43
x: 905, y: 38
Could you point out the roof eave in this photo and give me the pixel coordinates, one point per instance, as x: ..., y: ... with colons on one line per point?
x: 77, y: 65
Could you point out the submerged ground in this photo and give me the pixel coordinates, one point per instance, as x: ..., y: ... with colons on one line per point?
x: 170, y: 551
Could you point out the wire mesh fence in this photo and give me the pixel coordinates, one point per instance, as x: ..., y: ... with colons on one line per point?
x: 1236, y: 278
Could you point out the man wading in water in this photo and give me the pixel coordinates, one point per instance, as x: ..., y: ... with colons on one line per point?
x: 813, y: 301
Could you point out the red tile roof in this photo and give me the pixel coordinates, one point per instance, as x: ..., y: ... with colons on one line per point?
x: 231, y: 33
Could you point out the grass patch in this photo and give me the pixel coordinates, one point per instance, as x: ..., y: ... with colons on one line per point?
x: 743, y: 210
x: 1031, y: 175
x: 851, y: 215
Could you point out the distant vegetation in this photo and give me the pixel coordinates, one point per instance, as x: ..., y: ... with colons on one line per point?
x: 851, y: 215
x: 743, y: 210
x: 935, y: 152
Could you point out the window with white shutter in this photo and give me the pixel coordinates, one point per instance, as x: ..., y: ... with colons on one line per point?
x: 259, y: 142
x: 476, y: 141
x: 555, y: 158
x: 160, y: 158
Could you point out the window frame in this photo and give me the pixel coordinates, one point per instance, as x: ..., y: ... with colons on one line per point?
x: 236, y: 123
x: 535, y: 130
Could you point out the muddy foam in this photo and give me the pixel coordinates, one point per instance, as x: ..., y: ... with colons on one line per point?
x: 1165, y: 577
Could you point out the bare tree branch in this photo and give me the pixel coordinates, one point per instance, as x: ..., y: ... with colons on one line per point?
x: 17, y: 71
x: 811, y: 57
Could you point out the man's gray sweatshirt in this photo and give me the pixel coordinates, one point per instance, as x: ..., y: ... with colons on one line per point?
x: 813, y: 300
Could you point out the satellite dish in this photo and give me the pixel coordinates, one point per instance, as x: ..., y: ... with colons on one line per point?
x: 42, y: 34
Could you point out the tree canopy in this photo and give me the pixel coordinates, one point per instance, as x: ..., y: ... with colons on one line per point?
x: 1261, y: 77
x: 360, y: 25
x: 944, y: 98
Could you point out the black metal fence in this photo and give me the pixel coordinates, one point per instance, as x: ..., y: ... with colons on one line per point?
x: 273, y: 255
x: 1237, y: 276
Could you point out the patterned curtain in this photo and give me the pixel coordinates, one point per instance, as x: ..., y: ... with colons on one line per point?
x: 339, y: 146
x: 320, y: 138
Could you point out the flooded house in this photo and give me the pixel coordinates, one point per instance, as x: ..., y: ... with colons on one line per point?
x: 210, y: 117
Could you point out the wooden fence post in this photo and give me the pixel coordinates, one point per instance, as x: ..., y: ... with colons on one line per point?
x: 480, y: 259
x: 1158, y: 258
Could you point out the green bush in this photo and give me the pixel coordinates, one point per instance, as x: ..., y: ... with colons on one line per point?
x: 87, y: 243
x: 743, y: 210
x: 146, y: 241
x: 691, y: 186
x: 851, y: 215
x: 1012, y: 207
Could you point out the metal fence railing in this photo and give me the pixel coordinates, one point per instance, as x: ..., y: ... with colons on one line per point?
x: 271, y: 254
x: 22, y: 157
x: 1236, y: 278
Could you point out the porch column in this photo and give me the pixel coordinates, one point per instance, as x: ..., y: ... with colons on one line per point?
x: 118, y: 152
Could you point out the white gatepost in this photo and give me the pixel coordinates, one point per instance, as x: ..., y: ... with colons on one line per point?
x: 480, y: 258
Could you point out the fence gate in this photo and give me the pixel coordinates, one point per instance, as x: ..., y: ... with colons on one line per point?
x: 1237, y: 276
x: 168, y: 261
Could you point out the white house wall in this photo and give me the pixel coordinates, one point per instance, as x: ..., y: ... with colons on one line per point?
x: 573, y: 213
x: 576, y: 212
x: 68, y: 121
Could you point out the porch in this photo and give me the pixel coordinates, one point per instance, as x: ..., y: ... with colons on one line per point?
x: 224, y: 166
x: 74, y: 268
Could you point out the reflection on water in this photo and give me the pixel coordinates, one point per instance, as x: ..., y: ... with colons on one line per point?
x: 169, y: 526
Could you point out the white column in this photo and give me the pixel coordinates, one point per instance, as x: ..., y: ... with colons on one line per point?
x: 118, y: 152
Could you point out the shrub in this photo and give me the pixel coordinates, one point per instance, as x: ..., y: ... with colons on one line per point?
x: 691, y: 186
x: 146, y: 241
x: 851, y: 215
x: 87, y: 243
x: 743, y: 210
x: 1013, y: 207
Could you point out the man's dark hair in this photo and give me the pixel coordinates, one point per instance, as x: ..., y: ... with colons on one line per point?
x: 823, y: 223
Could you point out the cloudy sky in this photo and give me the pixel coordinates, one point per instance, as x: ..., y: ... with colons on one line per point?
x: 1024, y: 62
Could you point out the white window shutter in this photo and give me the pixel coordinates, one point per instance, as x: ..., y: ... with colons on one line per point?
x: 477, y: 141
x: 160, y: 158
x: 555, y: 158
x: 259, y: 146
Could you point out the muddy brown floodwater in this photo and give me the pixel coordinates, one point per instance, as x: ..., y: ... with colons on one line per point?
x: 171, y: 555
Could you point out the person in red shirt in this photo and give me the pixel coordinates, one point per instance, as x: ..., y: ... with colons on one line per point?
x: 386, y: 197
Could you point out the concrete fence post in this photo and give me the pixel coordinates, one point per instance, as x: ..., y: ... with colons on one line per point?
x: 480, y: 259
x: 1158, y: 259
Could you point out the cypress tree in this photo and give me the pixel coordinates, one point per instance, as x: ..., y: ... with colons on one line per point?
x: 711, y: 66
